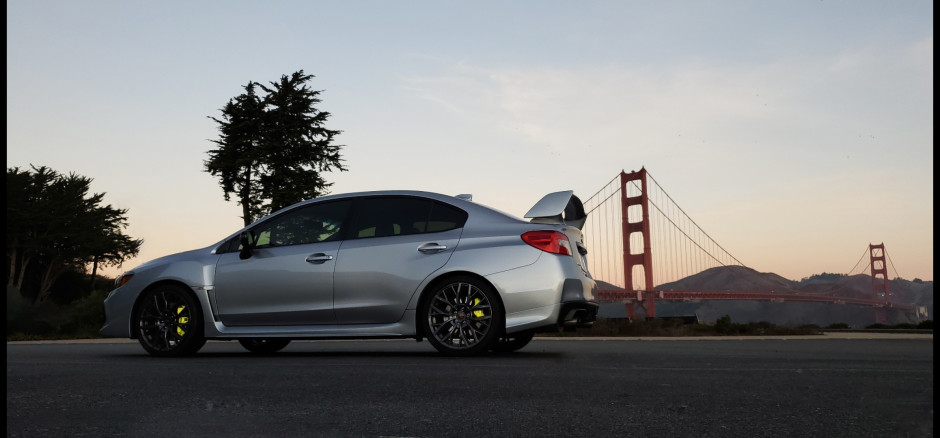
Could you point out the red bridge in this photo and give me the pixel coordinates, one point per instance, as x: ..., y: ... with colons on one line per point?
x: 620, y: 232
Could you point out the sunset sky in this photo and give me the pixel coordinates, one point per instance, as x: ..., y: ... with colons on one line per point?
x: 793, y: 132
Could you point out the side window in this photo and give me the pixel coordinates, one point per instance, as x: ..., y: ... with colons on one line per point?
x: 390, y: 216
x: 310, y: 224
x: 445, y: 217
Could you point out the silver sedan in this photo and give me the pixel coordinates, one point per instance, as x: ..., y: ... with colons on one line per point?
x: 466, y: 277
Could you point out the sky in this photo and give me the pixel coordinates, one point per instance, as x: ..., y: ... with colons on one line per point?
x: 794, y: 132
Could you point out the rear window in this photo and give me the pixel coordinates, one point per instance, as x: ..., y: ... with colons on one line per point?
x: 400, y: 215
x: 445, y: 217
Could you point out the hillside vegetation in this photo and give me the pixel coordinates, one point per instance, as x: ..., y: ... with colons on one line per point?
x: 742, y: 279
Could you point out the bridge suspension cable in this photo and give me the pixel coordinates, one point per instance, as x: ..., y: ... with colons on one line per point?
x: 863, y: 268
x: 896, y: 275
x: 603, y: 234
x: 679, y: 246
x: 859, y: 263
x: 637, y: 234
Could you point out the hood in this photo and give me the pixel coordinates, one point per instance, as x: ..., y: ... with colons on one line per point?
x: 194, y: 254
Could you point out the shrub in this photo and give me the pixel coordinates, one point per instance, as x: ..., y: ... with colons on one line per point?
x: 80, y: 319
x: 723, y: 325
x: 25, y: 317
x: 85, y: 316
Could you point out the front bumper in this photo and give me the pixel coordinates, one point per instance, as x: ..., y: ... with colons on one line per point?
x: 117, y: 310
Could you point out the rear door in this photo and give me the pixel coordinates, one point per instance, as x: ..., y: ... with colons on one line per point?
x: 393, y: 244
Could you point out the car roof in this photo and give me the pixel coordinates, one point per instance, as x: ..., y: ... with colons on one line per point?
x: 432, y: 195
x: 476, y: 211
x: 469, y: 206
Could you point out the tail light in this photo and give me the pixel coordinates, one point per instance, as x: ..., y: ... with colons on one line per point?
x: 554, y: 242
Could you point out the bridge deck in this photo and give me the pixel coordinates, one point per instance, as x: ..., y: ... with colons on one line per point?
x: 626, y: 296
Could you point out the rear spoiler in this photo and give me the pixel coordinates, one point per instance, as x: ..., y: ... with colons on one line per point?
x: 561, y: 208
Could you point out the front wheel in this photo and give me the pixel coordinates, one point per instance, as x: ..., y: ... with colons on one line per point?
x: 169, y: 322
x: 264, y: 345
x: 513, y: 342
x: 461, y: 317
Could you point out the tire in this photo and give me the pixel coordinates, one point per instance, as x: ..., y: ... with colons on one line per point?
x: 513, y: 342
x: 169, y: 322
x: 264, y: 345
x: 461, y: 316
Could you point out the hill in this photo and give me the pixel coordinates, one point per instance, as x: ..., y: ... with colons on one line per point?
x: 740, y: 278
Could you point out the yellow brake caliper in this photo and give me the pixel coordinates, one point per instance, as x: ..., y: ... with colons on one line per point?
x: 477, y: 313
x: 182, y: 320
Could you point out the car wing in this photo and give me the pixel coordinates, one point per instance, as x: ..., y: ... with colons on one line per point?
x: 562, y: 208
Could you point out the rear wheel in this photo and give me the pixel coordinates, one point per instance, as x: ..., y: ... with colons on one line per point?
x: 513, y: 342
x: 461, y: 316
x: 169, y: 322
x: 264, y: 345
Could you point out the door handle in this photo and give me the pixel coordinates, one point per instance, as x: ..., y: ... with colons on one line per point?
x: 431, y: 248
x: 319, y: 258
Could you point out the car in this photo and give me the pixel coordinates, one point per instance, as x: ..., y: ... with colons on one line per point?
x: 383, y: 264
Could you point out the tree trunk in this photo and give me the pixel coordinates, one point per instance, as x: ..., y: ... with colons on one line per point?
x: 22, y: 274
x: 94, y: 271
x: 245, y: 196
x: 52, y: 273
x: 246, y: 213
x: 12, y: 274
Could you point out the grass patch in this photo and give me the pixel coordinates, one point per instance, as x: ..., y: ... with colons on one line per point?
x: 677, y: 327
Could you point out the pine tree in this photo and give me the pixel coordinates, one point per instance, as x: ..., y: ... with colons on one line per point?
x: 54, y: 226
x: 273, y: 149
x: 237, y: 160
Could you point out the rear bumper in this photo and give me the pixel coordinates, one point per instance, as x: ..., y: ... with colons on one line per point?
x: 578, y: 314
x: 552, y: 291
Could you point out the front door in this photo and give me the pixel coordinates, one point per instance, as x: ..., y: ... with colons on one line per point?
x: 288, y: 278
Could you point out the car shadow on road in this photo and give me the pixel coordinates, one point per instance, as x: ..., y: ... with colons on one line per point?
x: 516, y: 356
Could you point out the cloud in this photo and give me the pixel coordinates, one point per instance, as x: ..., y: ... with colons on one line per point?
x: 792, y: 136
x: 689, y: 103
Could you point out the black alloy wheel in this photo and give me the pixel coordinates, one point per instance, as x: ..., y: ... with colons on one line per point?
x: 169, y: 322
x: 462, y: 316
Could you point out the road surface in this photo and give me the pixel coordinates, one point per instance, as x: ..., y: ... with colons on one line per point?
x: 873, y: 386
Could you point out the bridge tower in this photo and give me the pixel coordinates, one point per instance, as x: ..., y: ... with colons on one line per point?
x: 644, y: 303
x: 879, y: 273
x: 879, y: 282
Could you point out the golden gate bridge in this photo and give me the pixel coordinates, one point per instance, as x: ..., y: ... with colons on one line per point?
x: 637, y: 233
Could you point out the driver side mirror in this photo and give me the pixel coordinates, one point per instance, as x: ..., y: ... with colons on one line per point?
x: 246, y: 243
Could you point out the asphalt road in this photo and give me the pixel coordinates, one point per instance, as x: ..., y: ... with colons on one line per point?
x: 805, y: 387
